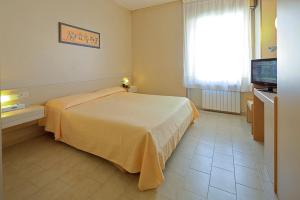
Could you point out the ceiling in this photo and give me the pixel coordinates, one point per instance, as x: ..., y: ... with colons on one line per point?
x: 137, y: 4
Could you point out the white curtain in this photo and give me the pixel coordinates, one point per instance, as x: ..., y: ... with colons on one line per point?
x: 217, y: 44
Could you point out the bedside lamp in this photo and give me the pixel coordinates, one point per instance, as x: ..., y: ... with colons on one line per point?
x: 5, y: 99
x: 125, y: 82
x: 8, y: 102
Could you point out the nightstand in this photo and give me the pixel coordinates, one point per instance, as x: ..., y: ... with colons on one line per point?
x: 133, y: 89
x: 18, y: 117
x: 21, y: 125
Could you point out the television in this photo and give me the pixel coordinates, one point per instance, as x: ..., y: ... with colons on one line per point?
x: 264, y: 73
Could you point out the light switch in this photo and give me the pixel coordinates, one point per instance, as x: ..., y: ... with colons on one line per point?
x: 23, y: 94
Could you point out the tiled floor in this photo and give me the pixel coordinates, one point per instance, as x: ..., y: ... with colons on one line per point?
x: 216, y: 160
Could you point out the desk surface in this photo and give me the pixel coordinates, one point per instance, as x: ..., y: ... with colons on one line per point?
x: 266, y: 97
x: 17, y: 117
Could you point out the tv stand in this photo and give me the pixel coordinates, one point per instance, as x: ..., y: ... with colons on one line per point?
x: 265, y: 129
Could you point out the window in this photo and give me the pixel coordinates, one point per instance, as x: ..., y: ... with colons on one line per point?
x: 217, y: 44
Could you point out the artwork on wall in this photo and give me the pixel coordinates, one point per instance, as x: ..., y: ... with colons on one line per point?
x: 78, y: 36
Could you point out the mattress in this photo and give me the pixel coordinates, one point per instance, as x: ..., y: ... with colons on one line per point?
x: 138, y: 132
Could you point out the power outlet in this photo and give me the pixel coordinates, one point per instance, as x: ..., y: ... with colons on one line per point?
x: 23, y: 94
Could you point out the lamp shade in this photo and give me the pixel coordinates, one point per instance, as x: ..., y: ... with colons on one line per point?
x: 8, y: 98
x: 5, y: 98
x: 125, y: 81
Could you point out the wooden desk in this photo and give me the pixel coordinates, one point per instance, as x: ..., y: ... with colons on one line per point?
x: 261, y: 99
x: 264, y: 129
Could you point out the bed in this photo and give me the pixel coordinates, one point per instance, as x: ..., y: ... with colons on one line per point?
x: 137, y: 132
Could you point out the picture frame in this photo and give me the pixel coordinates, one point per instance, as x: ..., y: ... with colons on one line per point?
x: 74, y: 35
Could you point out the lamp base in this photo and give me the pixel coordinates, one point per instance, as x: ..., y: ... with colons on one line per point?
x: 125, y: 86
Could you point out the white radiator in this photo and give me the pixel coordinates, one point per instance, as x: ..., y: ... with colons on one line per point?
x: 225, y: 101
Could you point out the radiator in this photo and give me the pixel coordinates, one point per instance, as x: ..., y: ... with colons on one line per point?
x: 224, y: 101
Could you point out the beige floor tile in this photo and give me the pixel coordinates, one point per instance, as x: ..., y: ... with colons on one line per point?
x: 223, y: 161
x: 185, y: 150
x: 69, y: 195
x: 30, y: 171
x: 246, y: 193
x: 245, y: 160
x: 243, y: 147
x: 167, y: 190
x: 197, y: 182
x: 216, y: 194
x: 173, y: 182
x: 182, y: 194
x: 125, y: 197
x: 223, y: 125
x: 114, y: 187
x: 201, y: 164
x: 268, y: 189
x: 18, y: 157
x: 207, y: 139
x: 188, y: 141
x: 43, y: 168
x: 90, y: 167
x: 85, y: 188
x: 204, y: 149
x: 9, y: 168
x: 50, y: 191
x: 204, y: 134
x: 262, y: 168
x: 248, y: 177
x: 103, y: 172
x: 205, y: 122
x: 224, y: 149
x: 179, y: 165
x: 30, y: 152
x: 223, y: 141
x: 147, y: 195
x: 20, y: 191
x: 46, y: 176
x: 223, y: 179
x: 11, y: 177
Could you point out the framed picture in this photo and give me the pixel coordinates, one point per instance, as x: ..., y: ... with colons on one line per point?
x: 78, y: 36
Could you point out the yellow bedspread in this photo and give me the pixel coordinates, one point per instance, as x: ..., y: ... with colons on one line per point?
x: 135, y: 131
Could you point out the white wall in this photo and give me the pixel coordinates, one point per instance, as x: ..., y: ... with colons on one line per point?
x: 289, y: 99
x: 268, y: 29
x: 33, y: 59
x: 265, y: 30
x: 257, y: 54
x: 158, y: 49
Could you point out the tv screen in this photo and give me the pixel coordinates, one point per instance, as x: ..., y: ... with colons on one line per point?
x: 264, y: 72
